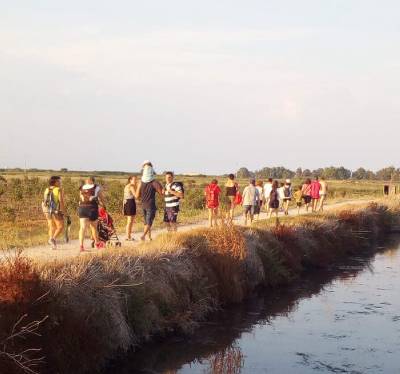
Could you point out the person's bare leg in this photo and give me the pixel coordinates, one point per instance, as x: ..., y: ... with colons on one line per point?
x: 210, y: 217
x: 59, y: 224
x: 82, y: 230
x: 146, y: 231
x: 321, y: 204
x: 129, y: 225
x: 215, y: 215
x: 50, y: 226
x: 93, y: 230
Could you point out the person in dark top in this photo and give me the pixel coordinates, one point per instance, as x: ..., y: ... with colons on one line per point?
x: 146, y: 192
x: 274, y: 199
x: 231, y: 189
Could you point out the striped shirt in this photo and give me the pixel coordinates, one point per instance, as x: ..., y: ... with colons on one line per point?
x: 172, y: 200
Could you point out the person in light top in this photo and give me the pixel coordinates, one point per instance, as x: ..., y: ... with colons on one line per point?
x: 323, y: 193
x: 251, y: 198
x: 267, y: 191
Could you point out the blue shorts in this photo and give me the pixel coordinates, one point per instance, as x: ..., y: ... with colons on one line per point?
x: 148, y: 215
x: 171, y: 214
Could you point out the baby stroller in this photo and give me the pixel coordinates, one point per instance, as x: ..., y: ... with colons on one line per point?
x: 105, y: 227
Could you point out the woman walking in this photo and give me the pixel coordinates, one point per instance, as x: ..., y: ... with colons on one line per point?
x: 129, y: 206
x: 306, y: 191
x: 274, y: 199
x: 53, y: 208
x: 89, y: 199
x: 231, y: 189
x: 287, y: 196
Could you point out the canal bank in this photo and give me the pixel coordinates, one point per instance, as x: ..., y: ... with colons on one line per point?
x: 101, y: 307
x: 340, y: 319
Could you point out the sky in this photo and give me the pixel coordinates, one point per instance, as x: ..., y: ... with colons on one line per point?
x: 199, y: 86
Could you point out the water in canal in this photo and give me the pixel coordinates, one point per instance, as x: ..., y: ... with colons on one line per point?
x: 342, y: 320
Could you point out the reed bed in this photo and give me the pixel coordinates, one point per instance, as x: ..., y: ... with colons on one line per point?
x: 74, y: 317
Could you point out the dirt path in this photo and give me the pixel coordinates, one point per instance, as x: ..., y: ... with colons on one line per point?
x: 70, y: 250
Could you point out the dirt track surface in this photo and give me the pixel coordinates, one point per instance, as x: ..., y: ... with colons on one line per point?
x: 64, y: 251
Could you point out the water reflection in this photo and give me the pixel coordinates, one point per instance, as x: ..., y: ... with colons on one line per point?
x: 312, y: 326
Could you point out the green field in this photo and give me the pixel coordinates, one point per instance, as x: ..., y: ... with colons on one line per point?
x: 22, y: 222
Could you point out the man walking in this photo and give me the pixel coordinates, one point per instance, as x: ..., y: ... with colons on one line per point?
x: 251, y: 197
x: 146, y: 191
x: 173, y: 192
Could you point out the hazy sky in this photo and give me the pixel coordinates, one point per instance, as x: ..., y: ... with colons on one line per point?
x: 199, y: 86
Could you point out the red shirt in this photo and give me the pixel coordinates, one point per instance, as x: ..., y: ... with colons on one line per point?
x: 212, y: 195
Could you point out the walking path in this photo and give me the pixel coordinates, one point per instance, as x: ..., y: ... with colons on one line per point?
x: 70, y: 250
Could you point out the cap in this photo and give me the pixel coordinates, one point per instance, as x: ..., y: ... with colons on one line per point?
x: 87, y: 186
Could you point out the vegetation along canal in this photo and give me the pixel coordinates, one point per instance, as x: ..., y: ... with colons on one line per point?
x: 342, y: 320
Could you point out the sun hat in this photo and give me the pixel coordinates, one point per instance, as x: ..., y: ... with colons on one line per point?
x: 288, y: 181
x: 146, y: 162
x: 87, y: 186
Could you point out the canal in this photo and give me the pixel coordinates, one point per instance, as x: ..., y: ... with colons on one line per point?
x: 345, y: 319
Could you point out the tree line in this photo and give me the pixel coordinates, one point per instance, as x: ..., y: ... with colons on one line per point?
x: 331, y: 172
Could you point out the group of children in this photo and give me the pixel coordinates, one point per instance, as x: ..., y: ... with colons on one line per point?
x: 274, y: 196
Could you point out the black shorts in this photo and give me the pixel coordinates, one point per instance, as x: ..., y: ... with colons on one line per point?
x: 171, y: 214
x: 307, y: 199
x: 299, y: 204
x: 89, y: 212
x: 257, y: 209
x: 130, y: 207
x: 248, y: 209
x: 274, y: 204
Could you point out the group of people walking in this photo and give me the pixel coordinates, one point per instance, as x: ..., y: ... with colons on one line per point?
x: 91, y: 199
x: 274, y: 196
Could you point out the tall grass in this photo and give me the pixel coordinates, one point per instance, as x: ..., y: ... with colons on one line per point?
x: 94, y: 308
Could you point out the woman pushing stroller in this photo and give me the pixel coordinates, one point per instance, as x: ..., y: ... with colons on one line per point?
x: 90, y: 196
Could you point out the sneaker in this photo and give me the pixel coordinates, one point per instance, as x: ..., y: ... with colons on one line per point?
x: 53, y: 243
x: 99, y: 245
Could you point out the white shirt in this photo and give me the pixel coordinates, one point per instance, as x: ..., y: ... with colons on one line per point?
x: 267, y: 189
x: 250, y: 195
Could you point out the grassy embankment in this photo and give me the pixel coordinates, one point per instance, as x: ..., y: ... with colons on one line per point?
x: 22, y: 223
x: 88, y: 310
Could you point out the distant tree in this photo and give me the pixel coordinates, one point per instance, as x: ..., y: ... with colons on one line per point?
x: 243, y: 173
x: 306, y: 173
x: 318, y: 172
x: 360, y: 173
x: 387, y: 173
x: 299, y: 173
x: 64, y: 170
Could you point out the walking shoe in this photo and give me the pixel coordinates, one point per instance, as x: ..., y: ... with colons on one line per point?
x: 99, y: 245
x: 53, y: 243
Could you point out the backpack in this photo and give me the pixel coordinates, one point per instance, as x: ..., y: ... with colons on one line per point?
x: 211, y: 195
x: 287, y: 192
x: 50, y: 202
x: 238, y: 198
